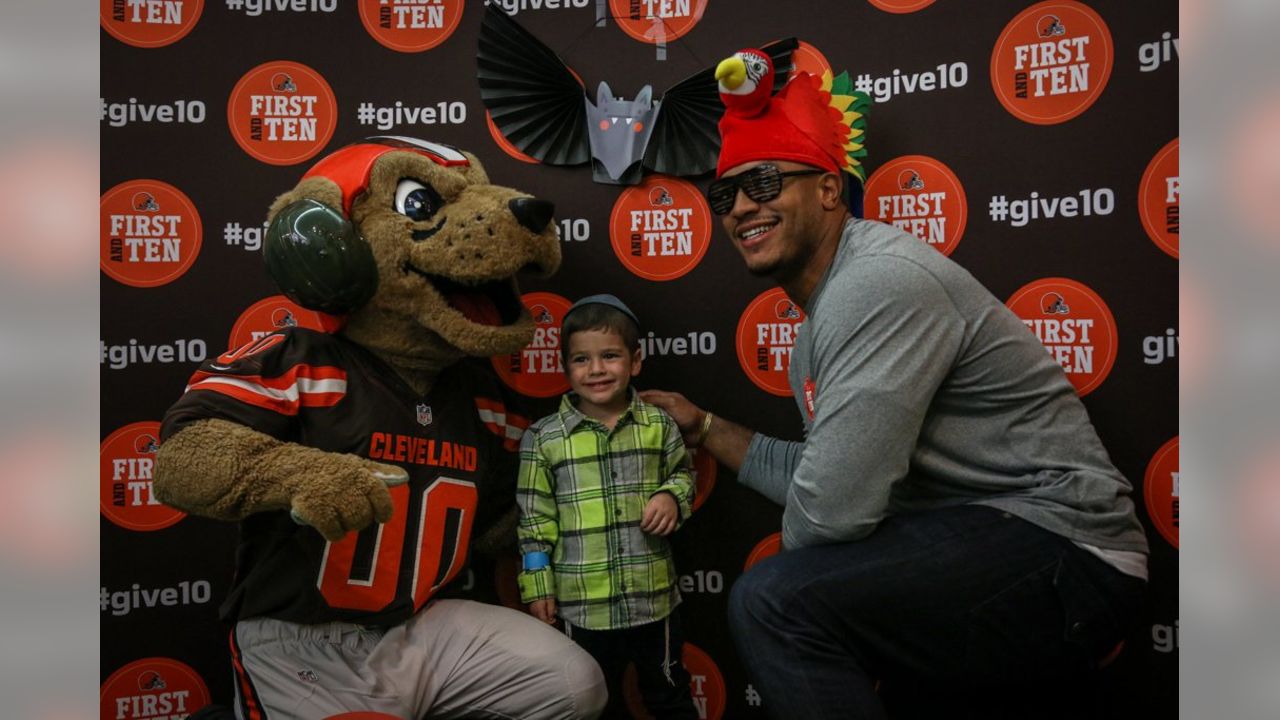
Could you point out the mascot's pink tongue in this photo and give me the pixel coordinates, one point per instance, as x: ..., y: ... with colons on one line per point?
x: 476, y: 306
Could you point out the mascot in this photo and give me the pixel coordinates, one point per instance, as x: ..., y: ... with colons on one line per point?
x: 360, y: 464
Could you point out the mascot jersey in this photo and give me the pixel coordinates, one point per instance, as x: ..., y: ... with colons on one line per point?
x: 457, y: 443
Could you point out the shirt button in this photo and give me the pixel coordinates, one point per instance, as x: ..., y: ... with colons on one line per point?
x: 613, y: 475
x: 617, y: 512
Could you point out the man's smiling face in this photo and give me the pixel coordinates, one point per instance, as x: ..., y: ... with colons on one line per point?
x: 777, y: 237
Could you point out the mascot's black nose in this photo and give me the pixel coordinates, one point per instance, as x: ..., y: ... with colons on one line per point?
x: 532, y: 212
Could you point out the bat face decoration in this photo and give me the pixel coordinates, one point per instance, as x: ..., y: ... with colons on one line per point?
x: 619, y: 132
x: 540, y: 106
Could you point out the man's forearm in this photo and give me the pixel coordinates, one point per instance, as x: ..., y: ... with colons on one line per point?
x: 727, y: 442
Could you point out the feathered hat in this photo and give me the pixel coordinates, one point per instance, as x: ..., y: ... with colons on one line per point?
x: 817, y: 121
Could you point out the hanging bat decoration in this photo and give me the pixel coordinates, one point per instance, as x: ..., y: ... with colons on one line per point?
x: 542, y: 108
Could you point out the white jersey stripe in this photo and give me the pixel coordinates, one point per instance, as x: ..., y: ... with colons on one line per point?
x: 500, y: 419
x: 443, y: 151
x: 305, y: 386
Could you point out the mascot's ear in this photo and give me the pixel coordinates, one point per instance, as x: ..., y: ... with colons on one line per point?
x: 318, y: 259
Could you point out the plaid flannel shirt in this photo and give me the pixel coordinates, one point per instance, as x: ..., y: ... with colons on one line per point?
x: 582, y: 491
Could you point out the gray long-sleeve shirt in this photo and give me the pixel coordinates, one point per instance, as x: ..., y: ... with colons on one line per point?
x: 927, y: 392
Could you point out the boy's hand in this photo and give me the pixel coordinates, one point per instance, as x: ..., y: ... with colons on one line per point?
x: 544, y: 610
x: 660, y: 515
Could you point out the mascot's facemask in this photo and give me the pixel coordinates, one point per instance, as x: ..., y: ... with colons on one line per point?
x: 413, y: 230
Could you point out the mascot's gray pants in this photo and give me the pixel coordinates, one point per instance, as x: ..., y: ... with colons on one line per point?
x: 453, y: 659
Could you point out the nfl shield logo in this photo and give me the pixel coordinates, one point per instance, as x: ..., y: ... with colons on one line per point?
x: 424, y: 414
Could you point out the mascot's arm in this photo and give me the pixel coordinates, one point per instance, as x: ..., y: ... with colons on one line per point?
x: 224, y: 470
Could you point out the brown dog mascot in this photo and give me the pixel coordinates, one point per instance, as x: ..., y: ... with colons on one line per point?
x: 361, y: 463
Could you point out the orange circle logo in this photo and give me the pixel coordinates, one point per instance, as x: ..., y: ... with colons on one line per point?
x: 1161, y: 491
x: 282, y: 112
x: 149, y: 24
x: 704, y: 476
x: 1052, y: 62
x: 661, y: 228
x: 656, y: 21
x: 901, y: 6
x: 1075, y: 326
x: 410, y: 26
x: 706, y: 686
x: 808, y: 58
x: 766, y: 334
x: 273, y: 314
x: 767, y: 547
x: 150, y: 233
x: 920, y: 196
x: 505, y: 144
x: 1158, y: 197
x: 154, y: 687
x: 537, y: 370
x: 127, y: 460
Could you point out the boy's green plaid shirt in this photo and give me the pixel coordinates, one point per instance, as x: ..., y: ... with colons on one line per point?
x: 582, y: 492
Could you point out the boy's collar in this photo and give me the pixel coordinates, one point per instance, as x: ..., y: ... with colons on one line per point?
x: 571, y: 416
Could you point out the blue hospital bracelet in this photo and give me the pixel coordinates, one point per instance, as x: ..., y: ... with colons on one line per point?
x: 536, y: 560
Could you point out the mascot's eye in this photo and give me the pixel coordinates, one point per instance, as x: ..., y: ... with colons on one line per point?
x: 416, y: 201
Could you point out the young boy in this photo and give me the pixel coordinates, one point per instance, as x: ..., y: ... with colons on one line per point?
x: 602, y: 484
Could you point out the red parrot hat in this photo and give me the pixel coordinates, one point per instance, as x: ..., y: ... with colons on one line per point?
x: 818, y: 121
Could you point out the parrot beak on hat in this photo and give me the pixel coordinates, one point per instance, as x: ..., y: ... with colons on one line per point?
x: 731, y: 73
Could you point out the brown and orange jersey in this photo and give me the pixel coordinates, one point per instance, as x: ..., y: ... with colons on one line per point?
x: 457, y: 443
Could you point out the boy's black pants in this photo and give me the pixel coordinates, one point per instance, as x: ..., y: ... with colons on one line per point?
x: 655, y: 649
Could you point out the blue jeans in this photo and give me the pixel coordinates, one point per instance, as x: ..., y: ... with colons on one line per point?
x: 961, y: 612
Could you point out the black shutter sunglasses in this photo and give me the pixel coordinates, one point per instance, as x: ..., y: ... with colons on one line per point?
x: 761, y: 183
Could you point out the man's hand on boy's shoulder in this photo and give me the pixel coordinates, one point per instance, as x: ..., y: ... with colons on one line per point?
x: 544, y: 610
x: 661, y: 515
x: 686, y: 415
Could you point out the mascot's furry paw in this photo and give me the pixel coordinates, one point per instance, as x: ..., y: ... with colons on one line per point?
x: 337, y: 493
x: 227, y: 471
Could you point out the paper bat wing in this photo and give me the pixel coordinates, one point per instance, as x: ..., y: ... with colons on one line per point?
x: 533, y: 98
x: 686, y: 135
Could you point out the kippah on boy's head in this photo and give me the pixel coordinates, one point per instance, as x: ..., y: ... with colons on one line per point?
x: 600, y: 312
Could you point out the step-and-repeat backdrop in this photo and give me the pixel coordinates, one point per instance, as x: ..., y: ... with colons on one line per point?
x: 1034, y: 144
